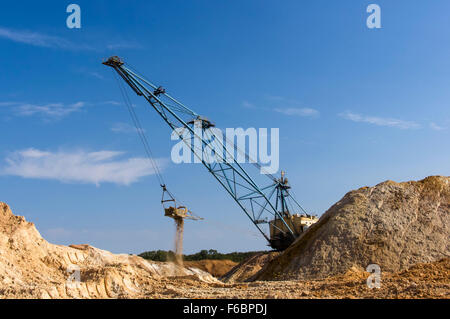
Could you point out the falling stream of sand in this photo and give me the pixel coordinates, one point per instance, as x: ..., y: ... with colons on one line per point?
x: 179, y: 223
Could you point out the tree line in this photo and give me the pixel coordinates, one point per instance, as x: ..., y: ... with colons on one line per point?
x: 164, y: 255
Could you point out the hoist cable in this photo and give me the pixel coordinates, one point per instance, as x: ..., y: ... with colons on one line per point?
x: 144, y: 141
x: 140, y: 132
x: 228, y: 141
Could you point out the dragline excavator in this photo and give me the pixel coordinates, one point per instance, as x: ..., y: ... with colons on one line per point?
x: 270, y: 206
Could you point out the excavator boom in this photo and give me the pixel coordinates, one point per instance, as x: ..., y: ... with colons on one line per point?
x: 267, y: 206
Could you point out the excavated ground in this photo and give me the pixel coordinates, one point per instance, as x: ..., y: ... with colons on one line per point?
x: 217, y: 268
x: 404, y: 227
x: 393, y: 225
x: 248, y: 269
x: 30, y: 267
x: 429, y: 280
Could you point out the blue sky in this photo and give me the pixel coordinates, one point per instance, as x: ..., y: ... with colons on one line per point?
x: 354, y: 106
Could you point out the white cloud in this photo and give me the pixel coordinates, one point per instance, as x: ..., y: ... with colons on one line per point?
x: 96, y: 75
x: 124, y: 128
x: 107, y: 103
x: 291, y: 111
x: 436, y: 127
x: 53, y: 110
x: 90, y: 72
x: 49, y: 41
x: 113, y: 102
x: 40, y: 40
x: 248, y: 105
x: 79, y: 166
x: 290, y: 107
x: 380, y: 121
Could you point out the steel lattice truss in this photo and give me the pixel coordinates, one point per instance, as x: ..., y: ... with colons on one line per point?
x: 260, y: 204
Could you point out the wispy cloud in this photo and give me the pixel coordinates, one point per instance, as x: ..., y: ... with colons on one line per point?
x: 290, y: 107
x: 96, y: 75
x: 106, y: 103
x: 41, y: 40
x: 78, y: 166
x: 436, y: 127
x: 248, y: 105
x: 291, y: 111
x: 380, y: 121
x: 124, y: 128
x: 53, y: 110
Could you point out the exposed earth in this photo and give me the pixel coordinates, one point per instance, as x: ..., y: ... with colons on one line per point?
x: 217, y: 268
x: 402, y: 227
x: 393, y: 225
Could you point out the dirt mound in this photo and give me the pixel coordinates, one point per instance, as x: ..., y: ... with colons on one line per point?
x: 217, y: 268
x: 30, y: 267
x: 394, y: 225
x: 247, y: 269
x: 426, y: 280
x: 403, y: 227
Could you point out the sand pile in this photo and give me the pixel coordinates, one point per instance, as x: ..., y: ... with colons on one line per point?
x: 30, y: 267
x: 246, y: 270
x: 394, y: 225
x: 403, y: 227
x: 217, y: 268
x: 427, y: 280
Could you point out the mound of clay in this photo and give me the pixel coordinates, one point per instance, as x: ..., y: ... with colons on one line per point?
x: 30, y: 267
x: 247, y: 269
x: 217, y: 268
x: 394, y: 225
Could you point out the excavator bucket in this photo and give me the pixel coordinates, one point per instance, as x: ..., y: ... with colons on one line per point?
x: 180, y: 212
